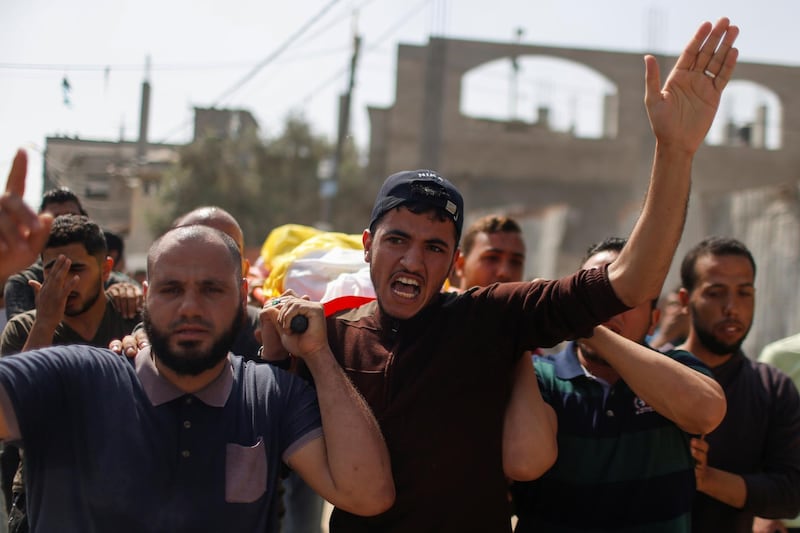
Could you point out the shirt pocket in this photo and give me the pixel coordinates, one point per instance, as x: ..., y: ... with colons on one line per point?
x: 245, y: 472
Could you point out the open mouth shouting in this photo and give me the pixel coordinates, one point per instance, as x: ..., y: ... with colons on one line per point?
x: 406, y: 287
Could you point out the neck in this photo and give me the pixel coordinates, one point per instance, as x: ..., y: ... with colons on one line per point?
x: 697, y: 349
x: 186, y: 383
x: 86, y: 323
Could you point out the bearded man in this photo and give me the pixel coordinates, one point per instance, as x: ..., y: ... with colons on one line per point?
x: 750, y: 465
x: 189, y: 437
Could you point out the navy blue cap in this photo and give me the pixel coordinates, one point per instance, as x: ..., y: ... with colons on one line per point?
x: 420, y: 186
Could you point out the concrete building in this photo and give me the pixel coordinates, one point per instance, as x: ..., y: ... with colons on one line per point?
x: 117, y: 181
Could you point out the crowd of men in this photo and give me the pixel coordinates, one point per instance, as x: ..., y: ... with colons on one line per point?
x: 423, y: 410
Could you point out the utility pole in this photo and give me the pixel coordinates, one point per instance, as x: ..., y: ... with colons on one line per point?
x: 329, y: 186
x: 514, y: 84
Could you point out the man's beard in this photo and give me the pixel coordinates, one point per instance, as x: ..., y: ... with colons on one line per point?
x: 88, y: 303
x: 712, y: 343
x: 191, y: 361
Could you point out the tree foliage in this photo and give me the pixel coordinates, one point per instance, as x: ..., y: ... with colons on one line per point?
x: 264, y: 183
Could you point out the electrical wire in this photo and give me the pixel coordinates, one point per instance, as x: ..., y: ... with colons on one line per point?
x: 372, y: 47
x: 271, y: 57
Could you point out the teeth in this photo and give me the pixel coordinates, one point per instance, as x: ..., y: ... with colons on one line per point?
x: 404, y: 295
x: 408, y: 281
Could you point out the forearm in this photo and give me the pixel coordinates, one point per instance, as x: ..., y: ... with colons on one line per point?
x: 529, y: 428
x: 358, y: 460
x: 724, y: 486
x: 639, y: 272
x: 693, y: 401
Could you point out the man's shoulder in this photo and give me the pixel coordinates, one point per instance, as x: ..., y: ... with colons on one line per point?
x: 26, y: 318
x: 20, y: 323
x: 263, y: 378
x: 687, y: 358
x: 786, y: 347
x: 769, y: 374
x: 79, y: 355
x: 363, y: 314
x: 34, y: 272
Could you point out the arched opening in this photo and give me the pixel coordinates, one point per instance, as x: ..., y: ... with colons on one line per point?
x: 749, y: 114
x: 555, y: 93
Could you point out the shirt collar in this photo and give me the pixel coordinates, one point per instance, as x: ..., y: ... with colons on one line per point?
x: 159, y: 390
x: 727, y: 371
x: 567, y: 364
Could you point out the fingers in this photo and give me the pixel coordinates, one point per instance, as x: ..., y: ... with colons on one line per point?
x: 726, y: 72
x: 709, y: 46
x: 16, y: 177
x: 269, y: 333
x: 130, y: 345
x: 127, y: 299
x: 710, y: 52
x: 36, y: 286
x: 688, y: 57
x: 22, y: 232
x: 652, y: 80
x: 286, y: 312
x: 699, y: 451
x: 39, y: 231
x: 716, y: 59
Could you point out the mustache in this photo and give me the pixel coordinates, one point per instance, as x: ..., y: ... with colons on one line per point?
x: 199, y: 321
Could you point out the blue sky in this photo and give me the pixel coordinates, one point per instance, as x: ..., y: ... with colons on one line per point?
x: 200, y: 50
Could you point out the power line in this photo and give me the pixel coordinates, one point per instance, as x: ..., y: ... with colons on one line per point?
x: 267, y: 60
x: 337, y: 20
x: 373, y: 46
x: 271, y: 57
x: 120, y: 67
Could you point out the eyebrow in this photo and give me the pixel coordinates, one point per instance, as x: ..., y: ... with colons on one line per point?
x: 718, y: 284
x: 406, y: 235
x: 502, y: 251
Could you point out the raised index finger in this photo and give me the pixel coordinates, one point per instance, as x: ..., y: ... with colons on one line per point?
x: 16, y: 177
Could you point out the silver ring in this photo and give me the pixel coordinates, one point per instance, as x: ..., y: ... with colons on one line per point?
x: 709, y: 74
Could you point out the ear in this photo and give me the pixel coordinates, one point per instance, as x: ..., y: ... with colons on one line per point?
x: 243, y: 289
x: 458, y: 264
x: 145, y: 286
x: 683, y: 297
x: 366, y: 240
x: 107, y: 266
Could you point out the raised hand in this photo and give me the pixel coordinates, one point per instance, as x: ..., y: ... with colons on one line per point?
x: 682, y: 111
x: 22, y: 233
x: 127, y: 299
x: 52, y: 294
